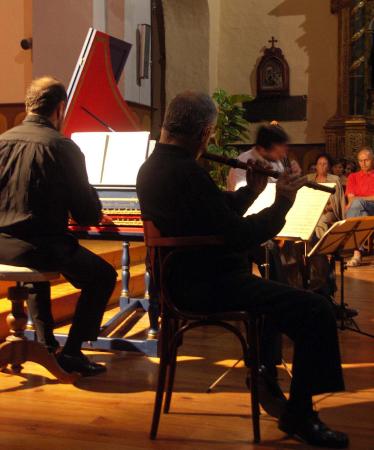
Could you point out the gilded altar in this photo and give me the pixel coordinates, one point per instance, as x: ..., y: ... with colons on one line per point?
x: 353, y: 124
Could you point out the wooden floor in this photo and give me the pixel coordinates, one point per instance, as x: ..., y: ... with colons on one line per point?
x: 113, y: 411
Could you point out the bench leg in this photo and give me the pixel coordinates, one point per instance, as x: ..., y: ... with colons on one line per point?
x: 17, y: 349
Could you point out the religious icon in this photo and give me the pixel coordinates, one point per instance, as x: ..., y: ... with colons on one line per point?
x: 273, y: 73
x: 272, y: 76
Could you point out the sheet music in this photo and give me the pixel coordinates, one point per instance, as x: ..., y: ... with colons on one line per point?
x: 93, y: 146
x: 304, y: 215
x: 113, y: 158
x: 344, y: 236
x: 264, y: 200
x: 125, y: 154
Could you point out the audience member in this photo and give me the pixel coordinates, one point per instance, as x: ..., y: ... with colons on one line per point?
x: 360, y: 193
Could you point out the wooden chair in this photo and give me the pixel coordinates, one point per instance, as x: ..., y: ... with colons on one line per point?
x: 17, y: 349
x: 175, y: 322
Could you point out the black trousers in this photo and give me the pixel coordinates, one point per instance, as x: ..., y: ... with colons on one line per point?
x: 308, y: 320
x: 82, y: 268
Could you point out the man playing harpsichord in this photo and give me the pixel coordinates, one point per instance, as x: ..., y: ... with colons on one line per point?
x: 43, y: 180
x: 181, y: 199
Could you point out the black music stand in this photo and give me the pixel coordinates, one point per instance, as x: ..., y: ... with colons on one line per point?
x: 342, y: 238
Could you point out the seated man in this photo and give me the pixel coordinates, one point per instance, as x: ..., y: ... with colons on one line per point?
x: 182, y: 200
x: 43, y: 180
x: 360, y: 193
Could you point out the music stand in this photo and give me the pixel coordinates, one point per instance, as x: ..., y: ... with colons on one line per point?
x: 342, y: 238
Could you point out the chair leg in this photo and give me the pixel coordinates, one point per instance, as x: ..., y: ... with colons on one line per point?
x: 172, y: 369
x: 254, y: 341
x: 162, y: 371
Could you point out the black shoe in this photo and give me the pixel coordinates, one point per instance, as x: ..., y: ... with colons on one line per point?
x: 53, y: 347
x: 50, y: 343
x: 271, y: 397
x: 312, y: 430
x: 343, y: 313
x: 80, y: 364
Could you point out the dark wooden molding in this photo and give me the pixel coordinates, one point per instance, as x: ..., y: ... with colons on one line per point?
x: 288, y: 108
x: 12, y: 105
x: 139, y: 106
x: 158, y: 90
x: 338, y: 5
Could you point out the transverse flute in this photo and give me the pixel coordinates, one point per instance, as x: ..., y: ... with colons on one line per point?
x: 236, y: 164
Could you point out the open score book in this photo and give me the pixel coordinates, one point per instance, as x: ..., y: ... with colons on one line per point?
x: 304, y: 215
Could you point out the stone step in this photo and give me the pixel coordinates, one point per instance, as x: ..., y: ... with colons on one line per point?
x: 110, y: 251
x: 64, y: 295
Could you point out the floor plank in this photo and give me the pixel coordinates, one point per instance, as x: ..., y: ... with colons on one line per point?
x: 113, y: 410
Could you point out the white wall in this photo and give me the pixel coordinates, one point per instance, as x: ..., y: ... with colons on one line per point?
x: 187, y: 29
x: 307, y: 34
x: 221, y: 46
x: 60, y: 28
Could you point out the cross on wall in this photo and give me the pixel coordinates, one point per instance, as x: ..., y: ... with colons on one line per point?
x: 273, y: 41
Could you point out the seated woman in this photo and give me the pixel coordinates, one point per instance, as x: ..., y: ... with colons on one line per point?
x: 335, y: 208
x: 322, y: 277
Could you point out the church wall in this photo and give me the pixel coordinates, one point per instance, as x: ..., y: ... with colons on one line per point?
x: 307, y: 34
x: 16, y: 63
x: 59, y: 32
x: 236, y: 32
x: 187, y: 46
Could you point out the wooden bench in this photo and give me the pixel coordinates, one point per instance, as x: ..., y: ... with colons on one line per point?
x: 17, y: 349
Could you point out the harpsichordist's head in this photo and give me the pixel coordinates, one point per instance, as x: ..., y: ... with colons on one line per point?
x: 46, y: 96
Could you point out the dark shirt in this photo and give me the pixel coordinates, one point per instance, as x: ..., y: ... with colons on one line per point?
x: 181, y: 199
x: 43, y: 178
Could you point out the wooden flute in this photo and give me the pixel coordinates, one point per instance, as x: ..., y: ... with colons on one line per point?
x: 236, y: 164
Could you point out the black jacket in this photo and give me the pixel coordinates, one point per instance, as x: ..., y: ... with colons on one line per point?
x: 181, y: 199
x: 43, y: 178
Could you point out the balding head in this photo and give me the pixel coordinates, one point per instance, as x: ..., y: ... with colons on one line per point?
x: 43, y: 96
x: 189, y: 120
x: 365, y: 158
x: 46, y: 96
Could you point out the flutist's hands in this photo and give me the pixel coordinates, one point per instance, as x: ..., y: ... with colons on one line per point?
x: 288, y: 185
x: 256, y: 181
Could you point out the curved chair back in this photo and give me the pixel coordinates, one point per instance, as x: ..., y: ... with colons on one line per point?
x: 162, y: 253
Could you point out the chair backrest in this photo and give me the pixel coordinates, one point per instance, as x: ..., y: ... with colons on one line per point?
x: 154, y: 239
x: 161, y: 251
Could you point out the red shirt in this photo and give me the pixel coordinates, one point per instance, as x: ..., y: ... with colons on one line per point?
x: 361, y: 184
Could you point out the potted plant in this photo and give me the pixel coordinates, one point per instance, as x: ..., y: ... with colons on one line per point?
x: 232, y: 128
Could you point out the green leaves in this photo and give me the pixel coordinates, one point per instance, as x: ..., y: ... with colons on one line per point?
x: 231, y: 128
